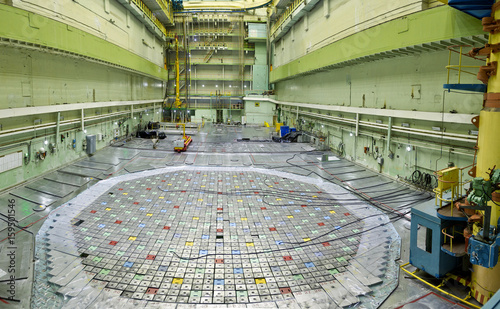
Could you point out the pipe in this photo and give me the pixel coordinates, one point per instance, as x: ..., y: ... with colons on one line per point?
x: 63, y: 123
x: 228, y: 7
x: 58, y: 124
x: 83, y: 120
x: 389, y: 130
x: 357, y: 124
x: 450, y: 136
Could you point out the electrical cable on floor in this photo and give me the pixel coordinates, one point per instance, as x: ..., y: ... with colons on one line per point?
x: 311, y: 242
x: 300, y: 244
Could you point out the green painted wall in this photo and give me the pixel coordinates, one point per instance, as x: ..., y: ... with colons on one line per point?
x: 401, y: 83
x: 258, y: 112
x: 435, y: 24
x: 35, y: 78
x: 29, y: 27
x: 260, y: 69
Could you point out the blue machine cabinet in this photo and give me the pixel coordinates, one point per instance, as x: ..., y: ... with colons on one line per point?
x: 426, y: 240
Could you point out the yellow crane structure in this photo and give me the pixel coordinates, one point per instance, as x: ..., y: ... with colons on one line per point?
x: 177, y: 102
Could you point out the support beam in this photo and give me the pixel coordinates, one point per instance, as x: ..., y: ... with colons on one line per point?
x: 58, y: 124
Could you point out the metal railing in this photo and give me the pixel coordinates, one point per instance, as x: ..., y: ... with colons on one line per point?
x: 459, y: 67
x: 289, y: 11
x: 143, y: 7
x: 456, y: 187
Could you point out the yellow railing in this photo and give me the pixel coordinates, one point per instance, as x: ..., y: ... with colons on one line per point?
x: 449, y: 238
x: 437, y: 287
x: 295, y: 4
x: 151, y: 16
x: 459, y: 66
x: 166, y: 6
x: 450, y: 179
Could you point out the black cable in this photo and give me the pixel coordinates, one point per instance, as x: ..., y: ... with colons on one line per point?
x: 415, y: 176
x: 301, y: 244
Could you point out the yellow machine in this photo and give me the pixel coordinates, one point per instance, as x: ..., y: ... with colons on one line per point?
x: 479, y: 242
x: 182, y: 144
x: 486, y: 281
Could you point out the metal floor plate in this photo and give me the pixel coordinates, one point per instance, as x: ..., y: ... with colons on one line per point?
x: 34, y: 196
x: 67, y: 178
x: 51, y: 187
x: 82, y: 171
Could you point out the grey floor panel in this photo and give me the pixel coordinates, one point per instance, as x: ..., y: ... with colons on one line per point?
x: 385, y: 188
x: 190, y: 158
x: 237, y: 160
x: 177, y: 158
x: 23, y: 207
x: 51, y: 187
x: 94, y: 165
x: 106, y: 159
x: 34, y: 196
x: 153, y: 154
x: 67, y: 274
x: 67, y: 178
x: 355, y: 175
x: 215, y: 160
x: 138, y: 167
x: 295, y: 170
x: 120, y: 152
x: 82, y: 171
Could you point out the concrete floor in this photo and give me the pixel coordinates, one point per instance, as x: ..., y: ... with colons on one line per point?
x: 237, y: 226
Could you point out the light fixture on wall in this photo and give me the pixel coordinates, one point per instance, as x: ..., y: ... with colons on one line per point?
x: 46, y: 142
x: 408, y: 148
x: 85, y: 131
x: 350, y: 134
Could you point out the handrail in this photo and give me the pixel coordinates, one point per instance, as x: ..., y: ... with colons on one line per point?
x: 285, y: 15
x: 151, y: 16
x: 443, y: 231
x: 459, y: 67
x: 167, y: 9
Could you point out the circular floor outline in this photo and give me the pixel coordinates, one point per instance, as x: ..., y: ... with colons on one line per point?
x: 103, y: 186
